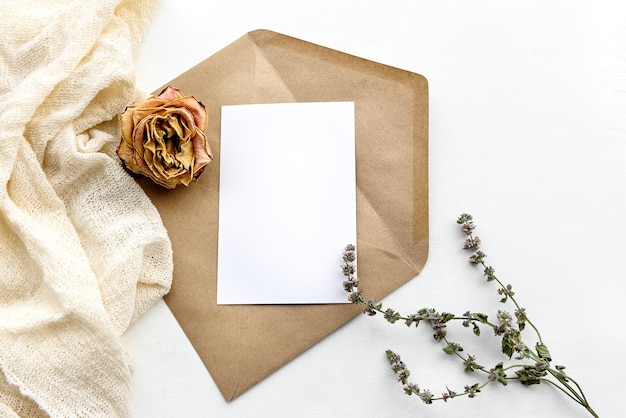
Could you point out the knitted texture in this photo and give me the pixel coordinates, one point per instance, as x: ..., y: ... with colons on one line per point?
x: 83, y: 252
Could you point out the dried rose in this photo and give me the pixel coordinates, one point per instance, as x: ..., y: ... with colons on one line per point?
x: 163, y: 138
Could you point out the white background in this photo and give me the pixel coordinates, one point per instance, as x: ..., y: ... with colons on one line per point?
x: 527, y: 133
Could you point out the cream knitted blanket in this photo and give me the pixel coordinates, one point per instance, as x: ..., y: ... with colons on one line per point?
x: 83, y: 252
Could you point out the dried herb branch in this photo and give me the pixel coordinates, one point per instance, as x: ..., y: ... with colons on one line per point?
x: 530, y: 364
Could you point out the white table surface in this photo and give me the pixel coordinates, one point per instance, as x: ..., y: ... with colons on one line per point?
x: 527, y: 133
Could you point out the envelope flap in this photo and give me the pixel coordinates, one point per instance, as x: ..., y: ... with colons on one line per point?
x: 388, y: 101
x: 242, y: 344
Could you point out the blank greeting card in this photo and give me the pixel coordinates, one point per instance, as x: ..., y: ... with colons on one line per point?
x: 287, y: 202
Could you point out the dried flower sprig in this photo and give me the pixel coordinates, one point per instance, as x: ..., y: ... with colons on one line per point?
x: 531, y: 365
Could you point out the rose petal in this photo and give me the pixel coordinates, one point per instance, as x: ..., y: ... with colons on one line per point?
x: 151, y: 102
x: 127, y: 126
x: 170, y: 93
x: 139, y: 155
x: 188, y: 127
x: 125, y: 153
x: 197, y: 109
x: 202, y: 153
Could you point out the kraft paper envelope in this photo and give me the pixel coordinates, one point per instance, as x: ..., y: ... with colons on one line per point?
x: 242, y: 344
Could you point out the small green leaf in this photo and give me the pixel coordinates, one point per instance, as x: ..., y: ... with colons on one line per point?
x: 476, y: 329
x: 476, y: 366
x: 499, y: 369
x: 543, y: 352
x: 507, y: 347
x: 529, y: 375
x: 425, y: 312
x: 411, y: 389
x: 480, y: 317
x: 500, y: 374
x: 447, y: 316
x: 449, y: 349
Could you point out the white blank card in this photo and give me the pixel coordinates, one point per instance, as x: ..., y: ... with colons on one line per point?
x: 287, y: 202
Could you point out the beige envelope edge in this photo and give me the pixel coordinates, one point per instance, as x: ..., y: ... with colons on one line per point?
x: 242, y: 344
